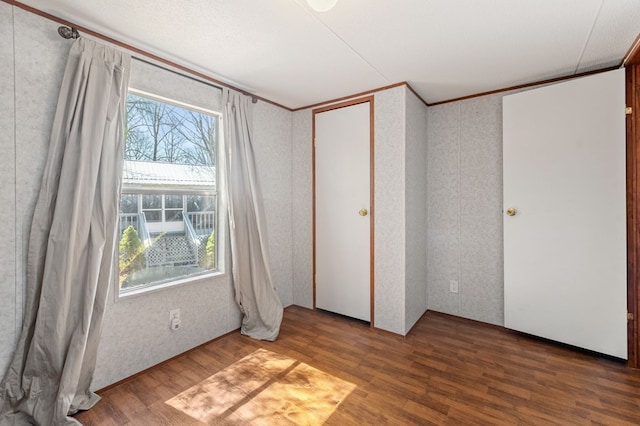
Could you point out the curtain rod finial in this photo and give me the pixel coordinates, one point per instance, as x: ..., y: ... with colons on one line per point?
x: 68, y: 33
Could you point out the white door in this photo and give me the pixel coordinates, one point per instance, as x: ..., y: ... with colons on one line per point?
x: 342, y: 210
x: 565, y: 246
x: 163, y: 212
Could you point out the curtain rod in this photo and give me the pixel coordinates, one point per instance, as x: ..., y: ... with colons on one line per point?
x: 186, y: 72
x: 254, y: 99
x: 72, y: 33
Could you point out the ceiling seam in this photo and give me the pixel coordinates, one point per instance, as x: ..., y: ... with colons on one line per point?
x: 344, y: 42
x: 586, y: 42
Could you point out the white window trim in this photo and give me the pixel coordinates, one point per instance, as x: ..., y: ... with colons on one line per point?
x: 222, y: 218
x: 174, y: 102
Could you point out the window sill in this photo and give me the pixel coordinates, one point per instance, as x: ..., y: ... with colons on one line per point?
x: 167, y: 285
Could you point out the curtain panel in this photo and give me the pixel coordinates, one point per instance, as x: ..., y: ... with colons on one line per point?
x: 72, y: 244
x: 254, y: 290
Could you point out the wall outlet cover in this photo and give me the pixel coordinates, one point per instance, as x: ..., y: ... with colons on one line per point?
x: 174, y: 319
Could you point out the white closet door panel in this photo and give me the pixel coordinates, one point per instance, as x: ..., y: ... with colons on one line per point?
x: 565, y: 249
x: 342, y: 140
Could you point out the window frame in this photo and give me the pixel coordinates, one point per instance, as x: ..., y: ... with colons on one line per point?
x: 220, y: 208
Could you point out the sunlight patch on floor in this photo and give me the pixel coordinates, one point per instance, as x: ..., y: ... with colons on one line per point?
x: 264, y: 388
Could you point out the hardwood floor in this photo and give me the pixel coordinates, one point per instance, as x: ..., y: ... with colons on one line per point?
x: 445, y: 371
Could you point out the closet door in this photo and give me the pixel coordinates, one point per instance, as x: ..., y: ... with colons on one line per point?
x: 565, y: 215
x: 342, y: 210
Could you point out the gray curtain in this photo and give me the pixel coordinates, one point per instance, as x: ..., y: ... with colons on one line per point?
x: 70, y: 262
x: 254, y: 290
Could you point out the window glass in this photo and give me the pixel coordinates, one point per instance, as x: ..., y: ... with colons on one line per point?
x: 198, y: 203
x: 173, y: 215
x: 173, y: 201
x: 153, y: 215
x: 129, y: 203
x: 151, y: 201
x: 170, y: 160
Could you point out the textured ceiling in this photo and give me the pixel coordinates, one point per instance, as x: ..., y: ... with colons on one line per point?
x: 283, y: 51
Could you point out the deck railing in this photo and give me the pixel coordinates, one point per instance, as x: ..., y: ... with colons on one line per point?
x: 203, y: 222
x: 143, y: 231
x: 190, y: 232
x: 128, y: 219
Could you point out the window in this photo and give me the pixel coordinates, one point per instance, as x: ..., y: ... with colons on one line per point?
x: 168, y: 207
x: 152, y: 207
x: 173, y: 208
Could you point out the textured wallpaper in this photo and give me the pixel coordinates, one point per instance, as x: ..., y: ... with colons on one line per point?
x: 415, y: 210
x: 208, y: 306
x: 302, y: 216
x: 464, y: 167
x: 481, y: 240
x: 136, y: 331
x: 272, y: 146
x: 442, y: 208
x: 8, y: 315
x: 453, y: 184
x: 150, y: 78
x: 389, y: 213
x: 393, y: 181
x: 32, y: 78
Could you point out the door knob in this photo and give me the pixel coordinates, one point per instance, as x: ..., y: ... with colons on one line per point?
x: 511, y: 211
x: 363, y: 212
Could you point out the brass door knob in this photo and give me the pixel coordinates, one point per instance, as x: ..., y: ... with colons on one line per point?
x: 511, y: 211
x: 363, y: 212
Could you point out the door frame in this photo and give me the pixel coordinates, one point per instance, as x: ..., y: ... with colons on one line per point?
x: 370, y: 100
x: 632, y: 94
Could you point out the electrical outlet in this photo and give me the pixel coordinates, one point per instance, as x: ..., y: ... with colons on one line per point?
x: 453, y: 286
x: 174, y: 319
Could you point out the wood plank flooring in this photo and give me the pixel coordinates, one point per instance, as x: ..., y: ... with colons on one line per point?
x: 445, y: 371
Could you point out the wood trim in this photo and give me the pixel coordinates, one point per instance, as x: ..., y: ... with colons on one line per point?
x: 412, y: 90
x: 342, y: 105
x: 632, y: 94
x: 138, y: 51
x: 633, y: 54
x: 356, y: 95
x: 332, y: 107
x: 372, y: 211
x: 387, y: 333
x: 526, y: 85
x: 462, y: 98
x: 460, y: 319
x: 313, y: 203
x: 188, y: 70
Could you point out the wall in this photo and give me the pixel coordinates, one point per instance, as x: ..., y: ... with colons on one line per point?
x: 464, y: 210
x: 8, y: 295
x: 416, y: 210
x: 462, y: 185
x: 272, y: 147
x: 399, y: 133
x: 35, y: 74
x: 302, y: 209
x: 389, y: 213
x: 135, y: 334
